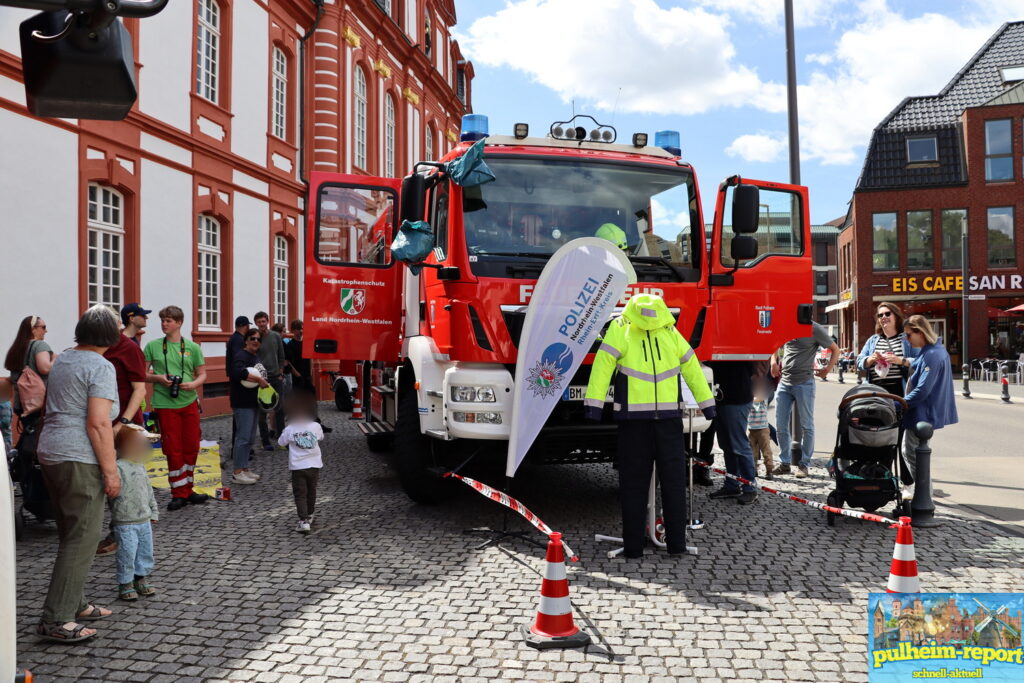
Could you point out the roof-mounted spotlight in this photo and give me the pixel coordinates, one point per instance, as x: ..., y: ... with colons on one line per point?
x: 569, y: 130
x: 521, y: 130
x: 639, y: 139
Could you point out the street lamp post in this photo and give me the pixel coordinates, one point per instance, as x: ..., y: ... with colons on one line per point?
x: 794, y: 176
x: 965, y: 267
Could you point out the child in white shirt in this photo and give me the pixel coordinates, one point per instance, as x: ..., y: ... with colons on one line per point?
x: 302, y: 437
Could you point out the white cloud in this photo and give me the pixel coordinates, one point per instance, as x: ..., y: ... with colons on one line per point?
x: 760, y: 147
x: 822, y: 58
x: 666, y: 61
x: 806, y: 13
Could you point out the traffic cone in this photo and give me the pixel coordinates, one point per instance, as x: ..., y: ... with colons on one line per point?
x: 903, y: 573
x: 554, y: 627
x: 357, y: 408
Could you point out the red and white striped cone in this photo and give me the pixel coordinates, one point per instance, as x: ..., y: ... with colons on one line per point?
x: 903, y: 573
x: 357, y: 408
x: 554, y: 626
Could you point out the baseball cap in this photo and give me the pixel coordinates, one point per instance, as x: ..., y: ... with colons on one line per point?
x: 132, y: 309
x: 242, y: 320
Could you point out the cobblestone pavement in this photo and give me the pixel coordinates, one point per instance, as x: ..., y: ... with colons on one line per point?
x: 387, y: 590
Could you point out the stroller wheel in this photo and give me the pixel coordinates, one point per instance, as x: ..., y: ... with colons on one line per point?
x: 901, y: 510
x: 836, y: 501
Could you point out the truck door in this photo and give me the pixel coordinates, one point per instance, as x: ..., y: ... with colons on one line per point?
x: 760, y: 301
x: 353, y: 285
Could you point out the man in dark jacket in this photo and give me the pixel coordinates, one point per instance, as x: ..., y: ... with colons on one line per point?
x: 735, y: 382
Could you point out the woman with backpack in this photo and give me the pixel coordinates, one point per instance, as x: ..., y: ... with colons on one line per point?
x: 29, y: 350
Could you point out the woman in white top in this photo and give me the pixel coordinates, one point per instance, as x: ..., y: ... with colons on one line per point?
x: 886, y: 356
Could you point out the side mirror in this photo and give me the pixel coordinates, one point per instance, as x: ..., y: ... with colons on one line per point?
x: 743, y: 248
x: 414, y: 197
x: 745, y: 208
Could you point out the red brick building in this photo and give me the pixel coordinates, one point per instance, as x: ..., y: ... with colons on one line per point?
x: 938, y: 166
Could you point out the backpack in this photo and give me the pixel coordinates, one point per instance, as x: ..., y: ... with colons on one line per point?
x: 31, y: 388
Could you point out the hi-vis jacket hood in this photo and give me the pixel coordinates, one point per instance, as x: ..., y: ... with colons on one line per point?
x: 643, y: 354
x: 648, y: 312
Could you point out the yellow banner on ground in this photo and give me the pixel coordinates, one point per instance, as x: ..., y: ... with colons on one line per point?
x: 207, y: 473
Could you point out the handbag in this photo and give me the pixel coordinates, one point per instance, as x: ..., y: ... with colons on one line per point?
x: 31, y: 388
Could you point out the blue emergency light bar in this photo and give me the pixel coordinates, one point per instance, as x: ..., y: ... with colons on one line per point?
x: 474, y: 127
x: 669, y: 141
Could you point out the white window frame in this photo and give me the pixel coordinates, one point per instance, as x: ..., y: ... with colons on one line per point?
x: 359, y: 105
x: 279, y: 78
x: 923, y: 138
x: 105, y: 248
x: 1012, y: 74
x: 208, y: 50
x: 389, y: 136
x: 210, y: 249
x: 428, y: 142
x: 281, y: 274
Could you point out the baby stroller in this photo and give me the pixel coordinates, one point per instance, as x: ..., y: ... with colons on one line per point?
x: 867, y: 463
x: 25, y: 471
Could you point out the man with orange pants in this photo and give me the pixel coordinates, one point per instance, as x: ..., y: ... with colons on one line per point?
x: 177, y: 370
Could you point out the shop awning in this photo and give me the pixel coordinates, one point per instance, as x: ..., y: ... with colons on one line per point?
x: 1016, y: 309
x: 839, y: 306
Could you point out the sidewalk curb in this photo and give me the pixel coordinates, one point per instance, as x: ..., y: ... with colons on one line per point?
x: 987, y: 397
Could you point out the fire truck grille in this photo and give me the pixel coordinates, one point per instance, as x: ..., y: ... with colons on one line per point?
x: 514, y: 323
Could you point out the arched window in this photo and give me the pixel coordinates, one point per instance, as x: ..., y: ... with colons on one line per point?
x: 281, y: 280
x: 279, y: 76
x: 359, y: 120
x: 208, y: 49
x: 208, y: 275
x: 106, y: 246
x: 428, y: 142
x: 389, y: 137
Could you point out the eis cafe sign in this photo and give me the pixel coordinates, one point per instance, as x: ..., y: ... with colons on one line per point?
x: 955, y: 283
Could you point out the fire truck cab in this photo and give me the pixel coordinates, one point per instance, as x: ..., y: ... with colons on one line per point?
x: 438, y: 348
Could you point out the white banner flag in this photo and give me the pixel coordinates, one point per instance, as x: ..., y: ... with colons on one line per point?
x: 573, y: 299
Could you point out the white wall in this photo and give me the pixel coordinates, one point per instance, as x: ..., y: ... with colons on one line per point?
x: 10, y: 19
x: 252, y: 256
x: 249, y: 88
x: 165, y: 50
x: 166, y: 228
x: 39, y: 229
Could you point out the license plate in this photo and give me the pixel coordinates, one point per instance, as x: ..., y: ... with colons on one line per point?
x: 578, y: 392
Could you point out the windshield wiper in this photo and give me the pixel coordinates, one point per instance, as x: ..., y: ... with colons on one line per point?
x: 660, y: 260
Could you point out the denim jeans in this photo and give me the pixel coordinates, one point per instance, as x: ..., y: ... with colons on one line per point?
x: 245, y: 435
x: 731, y: 424
x: 803, y: 396
x: 134, y: 551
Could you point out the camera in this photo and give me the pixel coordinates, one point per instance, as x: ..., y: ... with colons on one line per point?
x: 175, y: 385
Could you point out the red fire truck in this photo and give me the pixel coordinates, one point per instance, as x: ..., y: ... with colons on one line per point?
x: 438, y: 348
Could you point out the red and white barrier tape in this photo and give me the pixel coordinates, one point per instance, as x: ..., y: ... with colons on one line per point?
x: 867, y: 516
x: 513, y: 504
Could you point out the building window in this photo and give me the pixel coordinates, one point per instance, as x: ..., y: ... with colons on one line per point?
x: 106, y: 246
x: 460, y: 85
x: 428, y: 142
x: 389, y: 136
x: 920, y: 251
x: 998, y: 150
x: 922, y: 150
x: 1012, y: 74
x: 428, y: 34
x: 359, y: 120
x: 821, y: 282
x: 281, y: 280
x: 207, y: 49
x: 885, y: 246
x: 1001, y: 246
x: 280, y: 94
x: 208, y: 272
x: 954, y: 224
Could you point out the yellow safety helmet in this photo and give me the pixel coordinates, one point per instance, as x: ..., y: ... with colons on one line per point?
x: 614, y: 234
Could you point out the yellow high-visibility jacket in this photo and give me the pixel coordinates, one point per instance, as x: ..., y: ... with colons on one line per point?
x: 648, y: 353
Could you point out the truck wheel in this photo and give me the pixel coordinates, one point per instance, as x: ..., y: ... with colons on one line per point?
x: 343, y: 397
x: 418, y: 458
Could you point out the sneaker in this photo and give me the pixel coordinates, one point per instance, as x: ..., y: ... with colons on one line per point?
x: 177, y: 504
x: 746, y: 498
x: 197, y: 498
x: 268, y: 446
x: 303, y: 526
x: 768, y: 473
x: 310, y: 518
x: 782, y: 469
x: 244, y: 477
x: 108, y: 546
x: 701, y: 477
x: 801, y: 472
x: 255, y: 476
x: 725, y: 493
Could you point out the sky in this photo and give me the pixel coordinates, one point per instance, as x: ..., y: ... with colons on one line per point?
x: 715, y: 70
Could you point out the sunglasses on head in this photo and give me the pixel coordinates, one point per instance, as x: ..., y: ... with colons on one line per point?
x: 885, y: 314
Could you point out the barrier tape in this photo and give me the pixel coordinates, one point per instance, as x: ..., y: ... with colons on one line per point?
x: 513, y: 504
x: 856, y: 514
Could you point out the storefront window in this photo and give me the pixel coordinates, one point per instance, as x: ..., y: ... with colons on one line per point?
x: 954, y: 223
x: 1001, y: 247
x: 886, y: 255
x: 920, y: 254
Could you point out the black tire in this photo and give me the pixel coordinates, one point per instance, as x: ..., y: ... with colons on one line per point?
x: 380, y: 443
x: 343, y: 397
x: 419, y: 458
x: 835, y: 501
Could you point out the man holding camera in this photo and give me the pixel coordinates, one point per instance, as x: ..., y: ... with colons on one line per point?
x: 177, y: 369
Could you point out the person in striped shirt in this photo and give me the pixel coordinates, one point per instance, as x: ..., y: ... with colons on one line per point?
x: 758, y: 429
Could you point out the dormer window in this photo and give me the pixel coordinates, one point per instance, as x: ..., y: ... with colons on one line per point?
x: 1012, y: 74
x: 922, y: 150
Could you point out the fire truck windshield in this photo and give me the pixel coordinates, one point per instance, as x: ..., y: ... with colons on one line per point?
x: 536, y: 205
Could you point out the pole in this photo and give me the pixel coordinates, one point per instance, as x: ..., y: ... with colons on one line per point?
x: 965, y: 267
x: 794, y: 128
x: 922, y: 508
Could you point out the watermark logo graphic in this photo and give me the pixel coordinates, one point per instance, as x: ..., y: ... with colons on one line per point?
x: 548, y: 374
x: 353, y: 301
